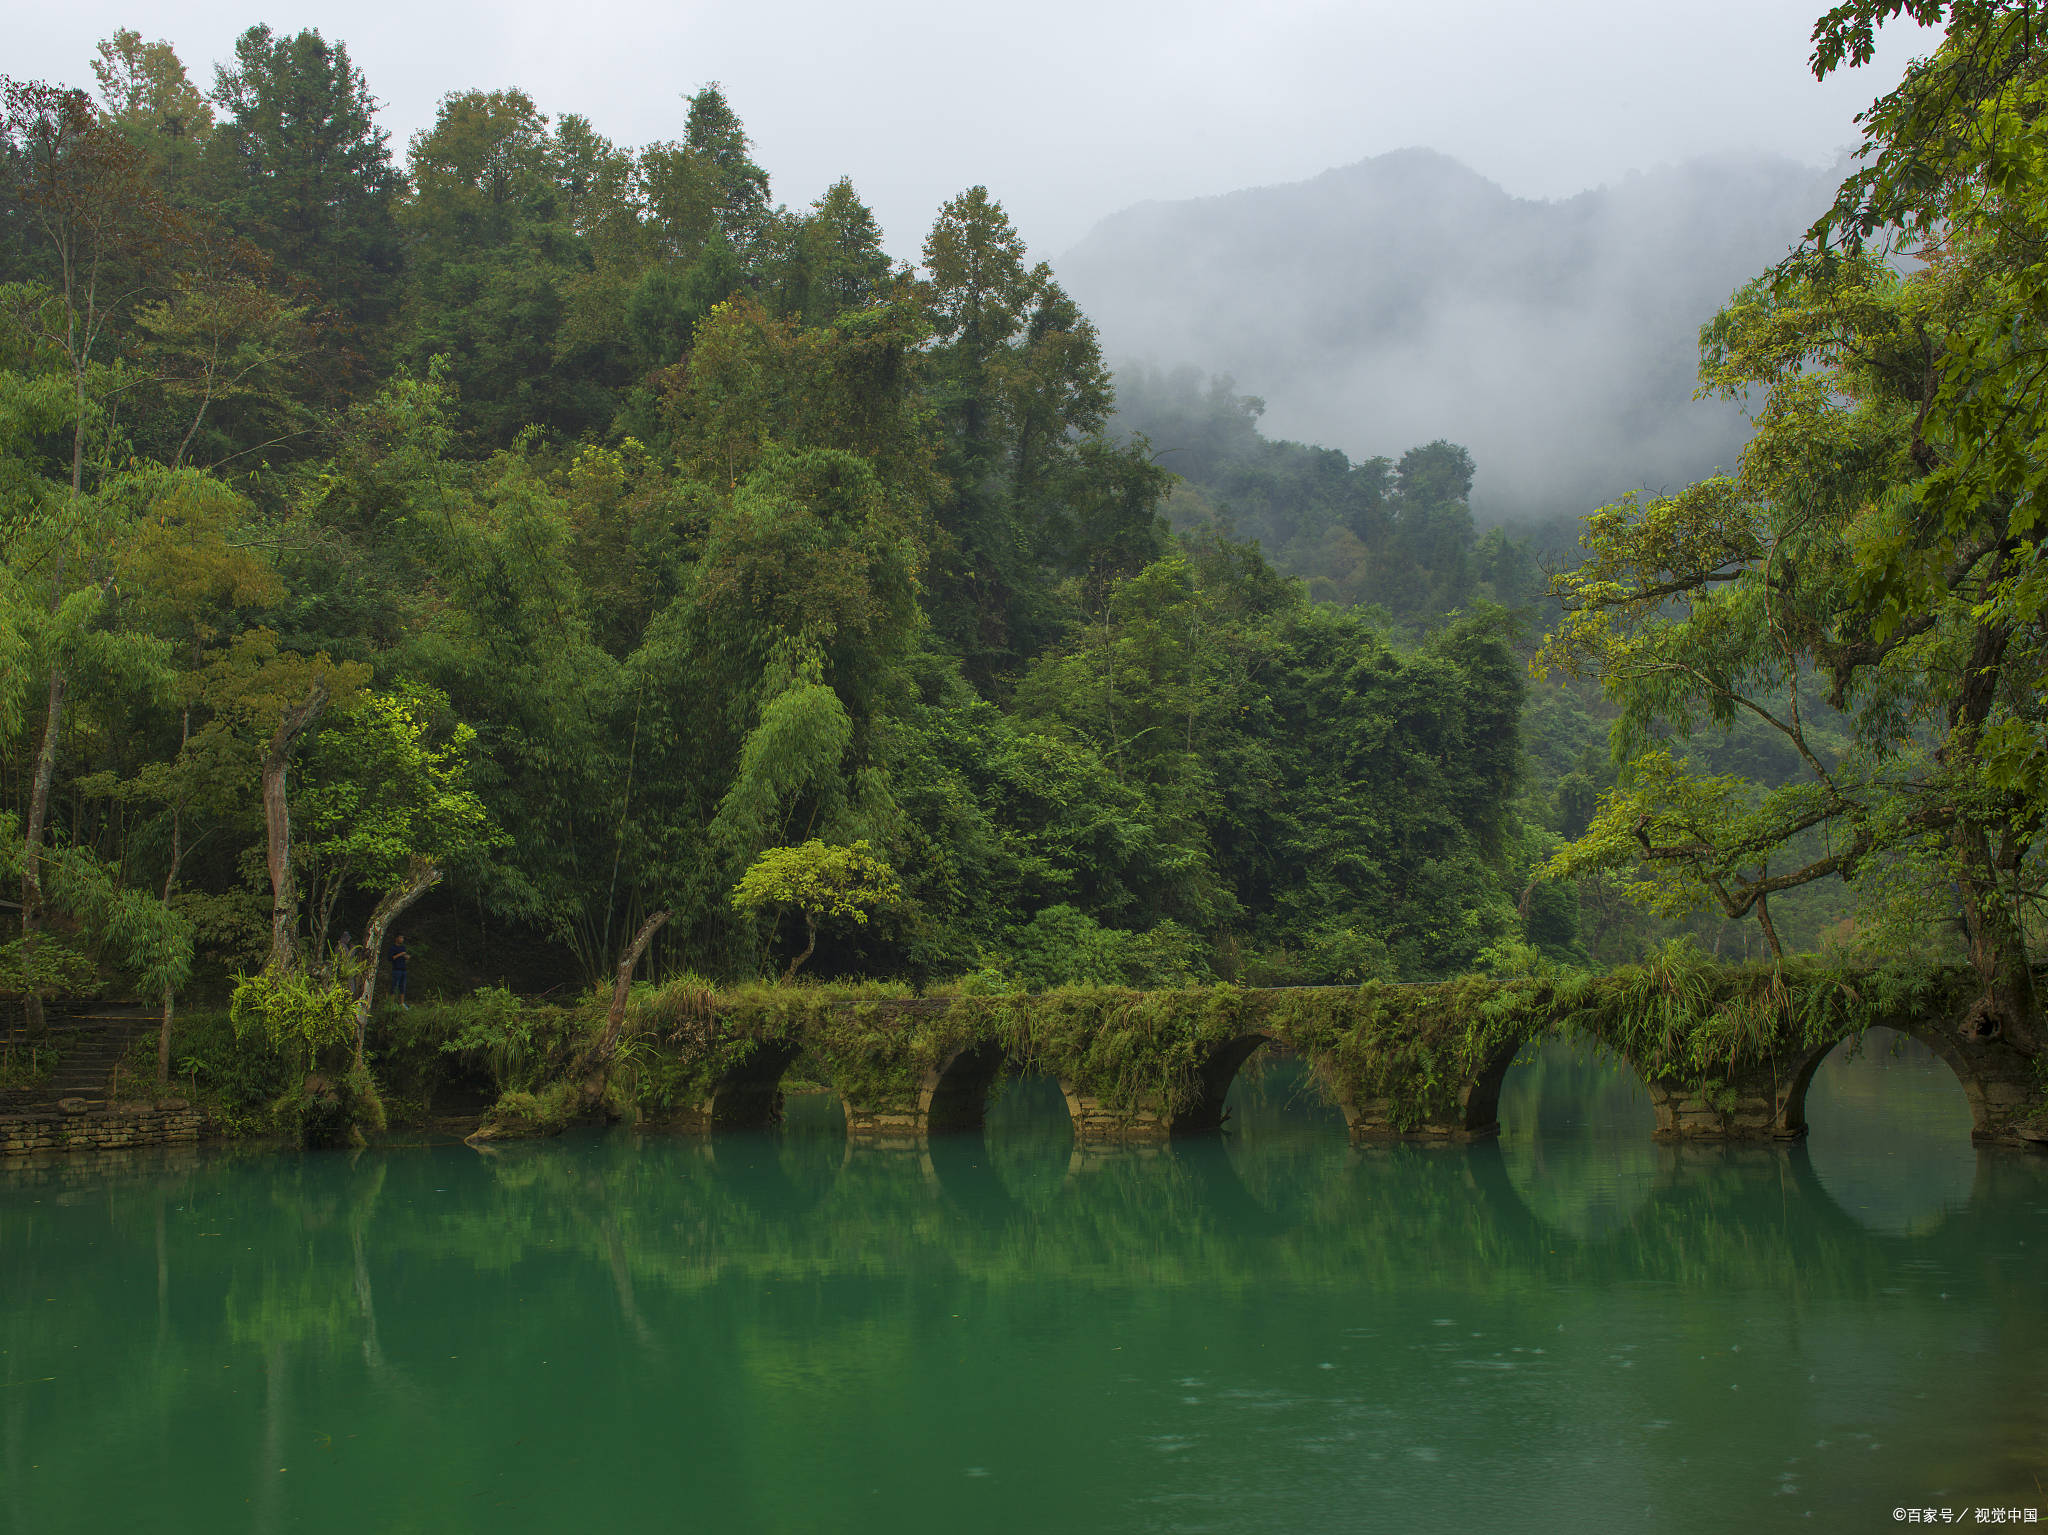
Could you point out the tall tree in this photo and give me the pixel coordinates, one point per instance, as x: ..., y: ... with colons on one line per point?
x: 79, y: 187
x: 707, y: 187
x: 1812, y: 593
x: 495, y: 252
x: 1016, y: 375
x: 145, y: 89
x: 298, y: 164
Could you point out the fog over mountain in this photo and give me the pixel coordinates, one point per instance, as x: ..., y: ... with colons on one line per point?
x: 1407, y: 298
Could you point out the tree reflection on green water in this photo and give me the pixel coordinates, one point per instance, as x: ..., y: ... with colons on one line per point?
x: 1890, y: 1133
x: 1575, y: 1133
x: 1574, y: 1328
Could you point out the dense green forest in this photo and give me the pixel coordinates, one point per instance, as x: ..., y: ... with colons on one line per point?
x: 558, y: 528
x: 563, y: 550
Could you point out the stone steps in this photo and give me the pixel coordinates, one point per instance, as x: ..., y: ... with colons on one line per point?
x: 88, y: 1045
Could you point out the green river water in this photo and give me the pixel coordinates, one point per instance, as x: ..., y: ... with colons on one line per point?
x: 1572, y: 1329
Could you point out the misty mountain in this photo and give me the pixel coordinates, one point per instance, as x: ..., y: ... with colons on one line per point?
x: 1407, y: 298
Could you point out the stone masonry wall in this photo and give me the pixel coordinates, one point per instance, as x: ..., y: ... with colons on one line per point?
x: 110, y: 1129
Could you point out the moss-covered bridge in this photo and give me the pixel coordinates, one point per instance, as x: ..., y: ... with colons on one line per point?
x: 1727, y: 1054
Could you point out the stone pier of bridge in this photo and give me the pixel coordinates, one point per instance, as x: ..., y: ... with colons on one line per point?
x: 1766, y: 1100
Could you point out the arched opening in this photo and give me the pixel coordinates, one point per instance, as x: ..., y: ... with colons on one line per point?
x: 1576, y: 1125
x: 778, y: 1136
x: 1888, y: 1132
x: 957, y: 1098
x: 812, y: 1112
x: 1275, y: 1096
x: 1218, y: 1073
x: 749, y: 1096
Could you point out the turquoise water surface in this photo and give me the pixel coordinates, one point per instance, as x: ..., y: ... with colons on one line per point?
x: 1571, y: 1329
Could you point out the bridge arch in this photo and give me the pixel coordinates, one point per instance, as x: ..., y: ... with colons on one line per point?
x: 1897, y: 1151
x: 1582, y: 1054
x: 1576, y: 1136
x: 748, y: 1096
x: 954, y: 1096
x: 951, y: 1098
x: 1280, y: 1087
x: 1482, y: 1097
x: 1944, y: 1046
x: 1217, y: 1072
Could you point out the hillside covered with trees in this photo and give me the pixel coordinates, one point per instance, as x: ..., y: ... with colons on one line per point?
x: 523, y: 535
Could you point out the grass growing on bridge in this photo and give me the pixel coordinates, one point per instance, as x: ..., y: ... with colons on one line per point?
x: 1412, y: 1049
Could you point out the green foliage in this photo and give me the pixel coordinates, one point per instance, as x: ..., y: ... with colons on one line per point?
x: 1062, y: 945
x: 820, y: 881
x: 1409, y: 1051
x: 512, y: 1044
x: 41, y: 964
x: 296, y: 158
x: 148, y: 939
x: 382, y: 789
x: 296, y: 1015
x: 1396, y: 536
x: 1853, y: 593
x: 547, y: 1112
x: 322, y: 1110
x: 817, y: 881
x: 1130, y: 1050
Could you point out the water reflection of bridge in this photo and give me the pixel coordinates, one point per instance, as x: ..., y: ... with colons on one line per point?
x: 1306, y: 1205
x: 1664, y: 1203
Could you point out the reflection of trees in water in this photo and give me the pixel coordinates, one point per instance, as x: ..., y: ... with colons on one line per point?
x: 776, y: 1272
x: 1560, y: 1088
x: 1889, y: 1132
x: 1575, y: 1130
x: 1029, y: 1139
x: 1284, y: 1138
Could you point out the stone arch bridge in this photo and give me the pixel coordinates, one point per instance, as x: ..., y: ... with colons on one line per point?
x: 1759, y: 1095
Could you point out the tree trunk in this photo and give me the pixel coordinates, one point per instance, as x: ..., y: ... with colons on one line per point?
x: 163, y: 1042
x: 422, y: 877
x: 810, y: 943
x: 2006, y: 1005
x: 622, y: 987
x: 32, y: 836
x: 1763, y: 920
x: 284, y: 892
x: 163, y: 1036
x: 590, y: 1071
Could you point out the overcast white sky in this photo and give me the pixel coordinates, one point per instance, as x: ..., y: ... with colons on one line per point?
x: 1071, y: 109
